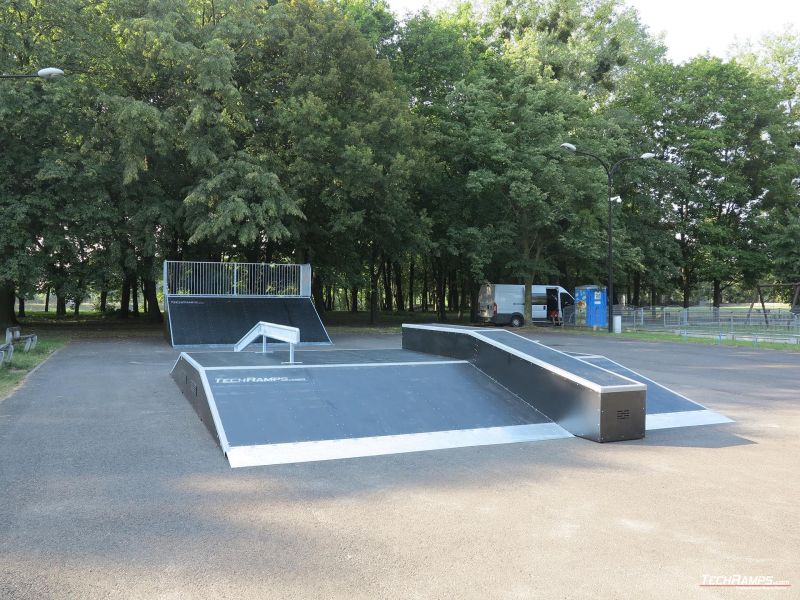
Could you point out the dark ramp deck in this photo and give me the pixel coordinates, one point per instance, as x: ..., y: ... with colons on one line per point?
x: 221, y: 321
x: 666, y: 408
x: 337, y: 405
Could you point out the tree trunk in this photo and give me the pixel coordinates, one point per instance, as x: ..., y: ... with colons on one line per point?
x: 153, y: 312
x: 400, y: 300
x: 425, y: 288
x: 387, y: 285
x: 47, y: 300
x: 439, y: 276
x: 411, y: 286
x: 528, y: 281
x: 124, y: 303
x: 452, y: 292
x: 637, y: 288
x: 687, y: 293
x: 103, y: 301
x: 462, y: 304
x: 354, y: 299
x: 717, y: 293
x: 316, y: 291
x: 653, y: 301
x: 373, y: 289
x: 61, y: 305
x: 473, y: 300
x: 135, y: 295
x: 76, y: 310
x: 7, y: 316
x: 21, y: 307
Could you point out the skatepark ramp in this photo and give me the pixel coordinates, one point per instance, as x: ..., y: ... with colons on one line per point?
x: 447, y: 387
x: 214, y: 304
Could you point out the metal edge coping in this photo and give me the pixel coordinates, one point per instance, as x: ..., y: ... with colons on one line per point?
x: 569, y: 355
x: 229, y: 346
x: 295, y: 452
x: 686, y: 418
x: 212, y: 404
x: 325, y: 329
x: 634, y: 386
x: 330, y: 366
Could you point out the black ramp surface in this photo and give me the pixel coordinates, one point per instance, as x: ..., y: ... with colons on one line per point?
x: 272, y: 406
x: 659, y: 398
x: 222, y: 321
x: 554, y: 357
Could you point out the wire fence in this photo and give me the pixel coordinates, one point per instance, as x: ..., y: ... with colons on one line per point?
x: 724, y: 323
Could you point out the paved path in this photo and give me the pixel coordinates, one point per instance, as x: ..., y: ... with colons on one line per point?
x: 110, y: 487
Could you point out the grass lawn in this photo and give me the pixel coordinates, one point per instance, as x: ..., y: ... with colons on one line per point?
x: 11, y: 374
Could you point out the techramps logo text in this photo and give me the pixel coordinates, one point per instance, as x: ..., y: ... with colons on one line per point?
x: 743, y: 581
x: 224, y: 380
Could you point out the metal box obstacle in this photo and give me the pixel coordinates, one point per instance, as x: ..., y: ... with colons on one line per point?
x: 448, y: 387
x: 213, y: 304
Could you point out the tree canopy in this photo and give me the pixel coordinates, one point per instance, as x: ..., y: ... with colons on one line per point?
x: 408, y: 161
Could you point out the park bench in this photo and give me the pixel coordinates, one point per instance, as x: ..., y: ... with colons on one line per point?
x: 14, y: 334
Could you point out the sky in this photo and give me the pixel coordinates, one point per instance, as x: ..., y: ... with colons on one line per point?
x: 690, y: 27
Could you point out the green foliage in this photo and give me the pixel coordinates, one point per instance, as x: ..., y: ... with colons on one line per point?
x: 331, y: 132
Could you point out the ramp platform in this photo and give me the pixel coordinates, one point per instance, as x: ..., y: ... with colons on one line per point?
x: 449, y: 387
x: 214, y: 304
x: 343, y: 404
x: 222, y: 321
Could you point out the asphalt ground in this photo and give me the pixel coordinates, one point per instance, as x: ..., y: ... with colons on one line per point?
x: 110, y: 487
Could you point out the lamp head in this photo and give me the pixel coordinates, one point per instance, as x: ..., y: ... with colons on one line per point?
x: 568, y: 146
x: 50, y: 73
x: 647, y: 155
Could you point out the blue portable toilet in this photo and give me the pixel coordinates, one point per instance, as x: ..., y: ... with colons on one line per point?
x: 591, y: 306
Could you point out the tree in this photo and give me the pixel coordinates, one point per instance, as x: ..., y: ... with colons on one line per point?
x: 719, y: 127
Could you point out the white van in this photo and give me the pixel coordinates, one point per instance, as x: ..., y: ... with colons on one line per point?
x: 504, y: 304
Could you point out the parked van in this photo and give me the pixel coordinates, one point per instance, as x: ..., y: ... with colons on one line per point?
x: 504, y: 304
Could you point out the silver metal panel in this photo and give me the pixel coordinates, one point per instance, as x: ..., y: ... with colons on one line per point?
x: 690, y: 418
x: 275, y: 454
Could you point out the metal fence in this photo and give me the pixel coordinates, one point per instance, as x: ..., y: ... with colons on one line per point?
x: 708, y: 318
x: 196, y: 278
x: 774, y: 324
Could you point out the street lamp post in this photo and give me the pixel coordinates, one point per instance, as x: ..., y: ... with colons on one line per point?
x: 610, y: 171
